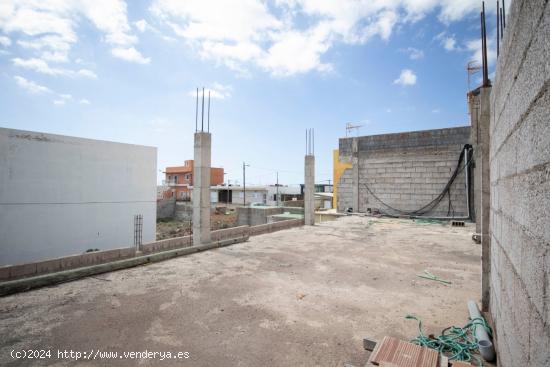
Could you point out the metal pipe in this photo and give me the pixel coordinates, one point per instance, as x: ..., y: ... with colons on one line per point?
x: 467, y: 175
x: 498, y: 28
x: 202, y: 115
x: 197, y: 112
x: 208, y: 128
x: 277, y: 194
x: 486, y: 348
x: 485, y: 42
x: 501, y: 26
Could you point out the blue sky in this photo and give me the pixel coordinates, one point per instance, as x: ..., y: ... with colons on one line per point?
x: 126, y: 72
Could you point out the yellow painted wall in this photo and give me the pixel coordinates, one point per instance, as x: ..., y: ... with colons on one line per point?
x: 338, y: 169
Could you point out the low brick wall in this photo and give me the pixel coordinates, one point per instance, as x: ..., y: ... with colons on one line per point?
x: 234, y: 232
x: 100, y: 257
x: 64, y: 263
x: 276, y: 226
x: 167, y: 244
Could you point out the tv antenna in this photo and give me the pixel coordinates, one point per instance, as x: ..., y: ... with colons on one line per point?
x: 350, y: 126
x: 472, y: 68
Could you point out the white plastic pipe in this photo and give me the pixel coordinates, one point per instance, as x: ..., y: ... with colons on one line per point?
x: 486, y: 348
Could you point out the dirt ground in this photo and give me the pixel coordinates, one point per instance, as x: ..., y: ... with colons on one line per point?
x: 177, y: 228
x: 300, y: 297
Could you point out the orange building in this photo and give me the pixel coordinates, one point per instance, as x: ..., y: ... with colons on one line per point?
x: 179, y: 180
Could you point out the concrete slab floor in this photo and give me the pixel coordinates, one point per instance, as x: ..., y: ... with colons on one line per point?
x: 300, y: 297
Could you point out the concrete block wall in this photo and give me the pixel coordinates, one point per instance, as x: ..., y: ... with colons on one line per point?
x: 520, y: 188
x: 406, y: 171
x: 254, y: 216
x: 345, y: 187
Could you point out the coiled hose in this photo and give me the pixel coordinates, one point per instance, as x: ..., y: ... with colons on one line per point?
x: 458, y: 343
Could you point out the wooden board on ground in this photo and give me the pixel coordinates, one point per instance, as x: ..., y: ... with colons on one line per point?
x: 394, y: 352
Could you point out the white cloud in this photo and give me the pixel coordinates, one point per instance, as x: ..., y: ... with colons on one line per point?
x: 474, y: 47
x: 297, y: 38
x: 5, y: 41
x: 436, y: 110
x: 217, y: 90
x: 406, y: 78
x: 141, y: 25
x: 87, y: 73
x: 414, y: 53
x: 60, y: 99
x: 31, y: 86
x: 130, y: 54
x: 448, y: 42
x: 40, y: 66
x: 48, y: 27
x: 84, y: 101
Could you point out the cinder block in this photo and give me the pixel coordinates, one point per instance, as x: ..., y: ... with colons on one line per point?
x: 539, y: 340
x: 4, y: 273
x: 23, y: 270
x: 49, y: 266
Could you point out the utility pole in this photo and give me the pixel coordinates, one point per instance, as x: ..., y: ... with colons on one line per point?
x: 277, y: 185
x: 244, y: 182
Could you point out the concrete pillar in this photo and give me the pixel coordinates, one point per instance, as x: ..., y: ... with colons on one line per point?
x: 201, y: 189
x: 484, y: 141
x: 309, y: 191
x: 355, y: 176
x: 473, y: 107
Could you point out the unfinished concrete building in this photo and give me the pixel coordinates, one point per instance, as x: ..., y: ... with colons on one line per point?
x: 404, y: 173
x: 312, y: 295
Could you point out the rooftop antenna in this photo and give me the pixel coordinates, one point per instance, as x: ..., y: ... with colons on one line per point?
x: 350, y: 126
x: 472, y: 68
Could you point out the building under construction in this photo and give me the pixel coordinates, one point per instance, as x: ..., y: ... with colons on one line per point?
x: 439, y: 255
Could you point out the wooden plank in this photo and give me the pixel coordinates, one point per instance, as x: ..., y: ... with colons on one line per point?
x: 403, y: 354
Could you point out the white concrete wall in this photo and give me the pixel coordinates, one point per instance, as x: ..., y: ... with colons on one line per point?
x: 62, y: 195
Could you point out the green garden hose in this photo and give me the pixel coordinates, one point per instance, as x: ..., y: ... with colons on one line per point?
x: 458, y: 343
